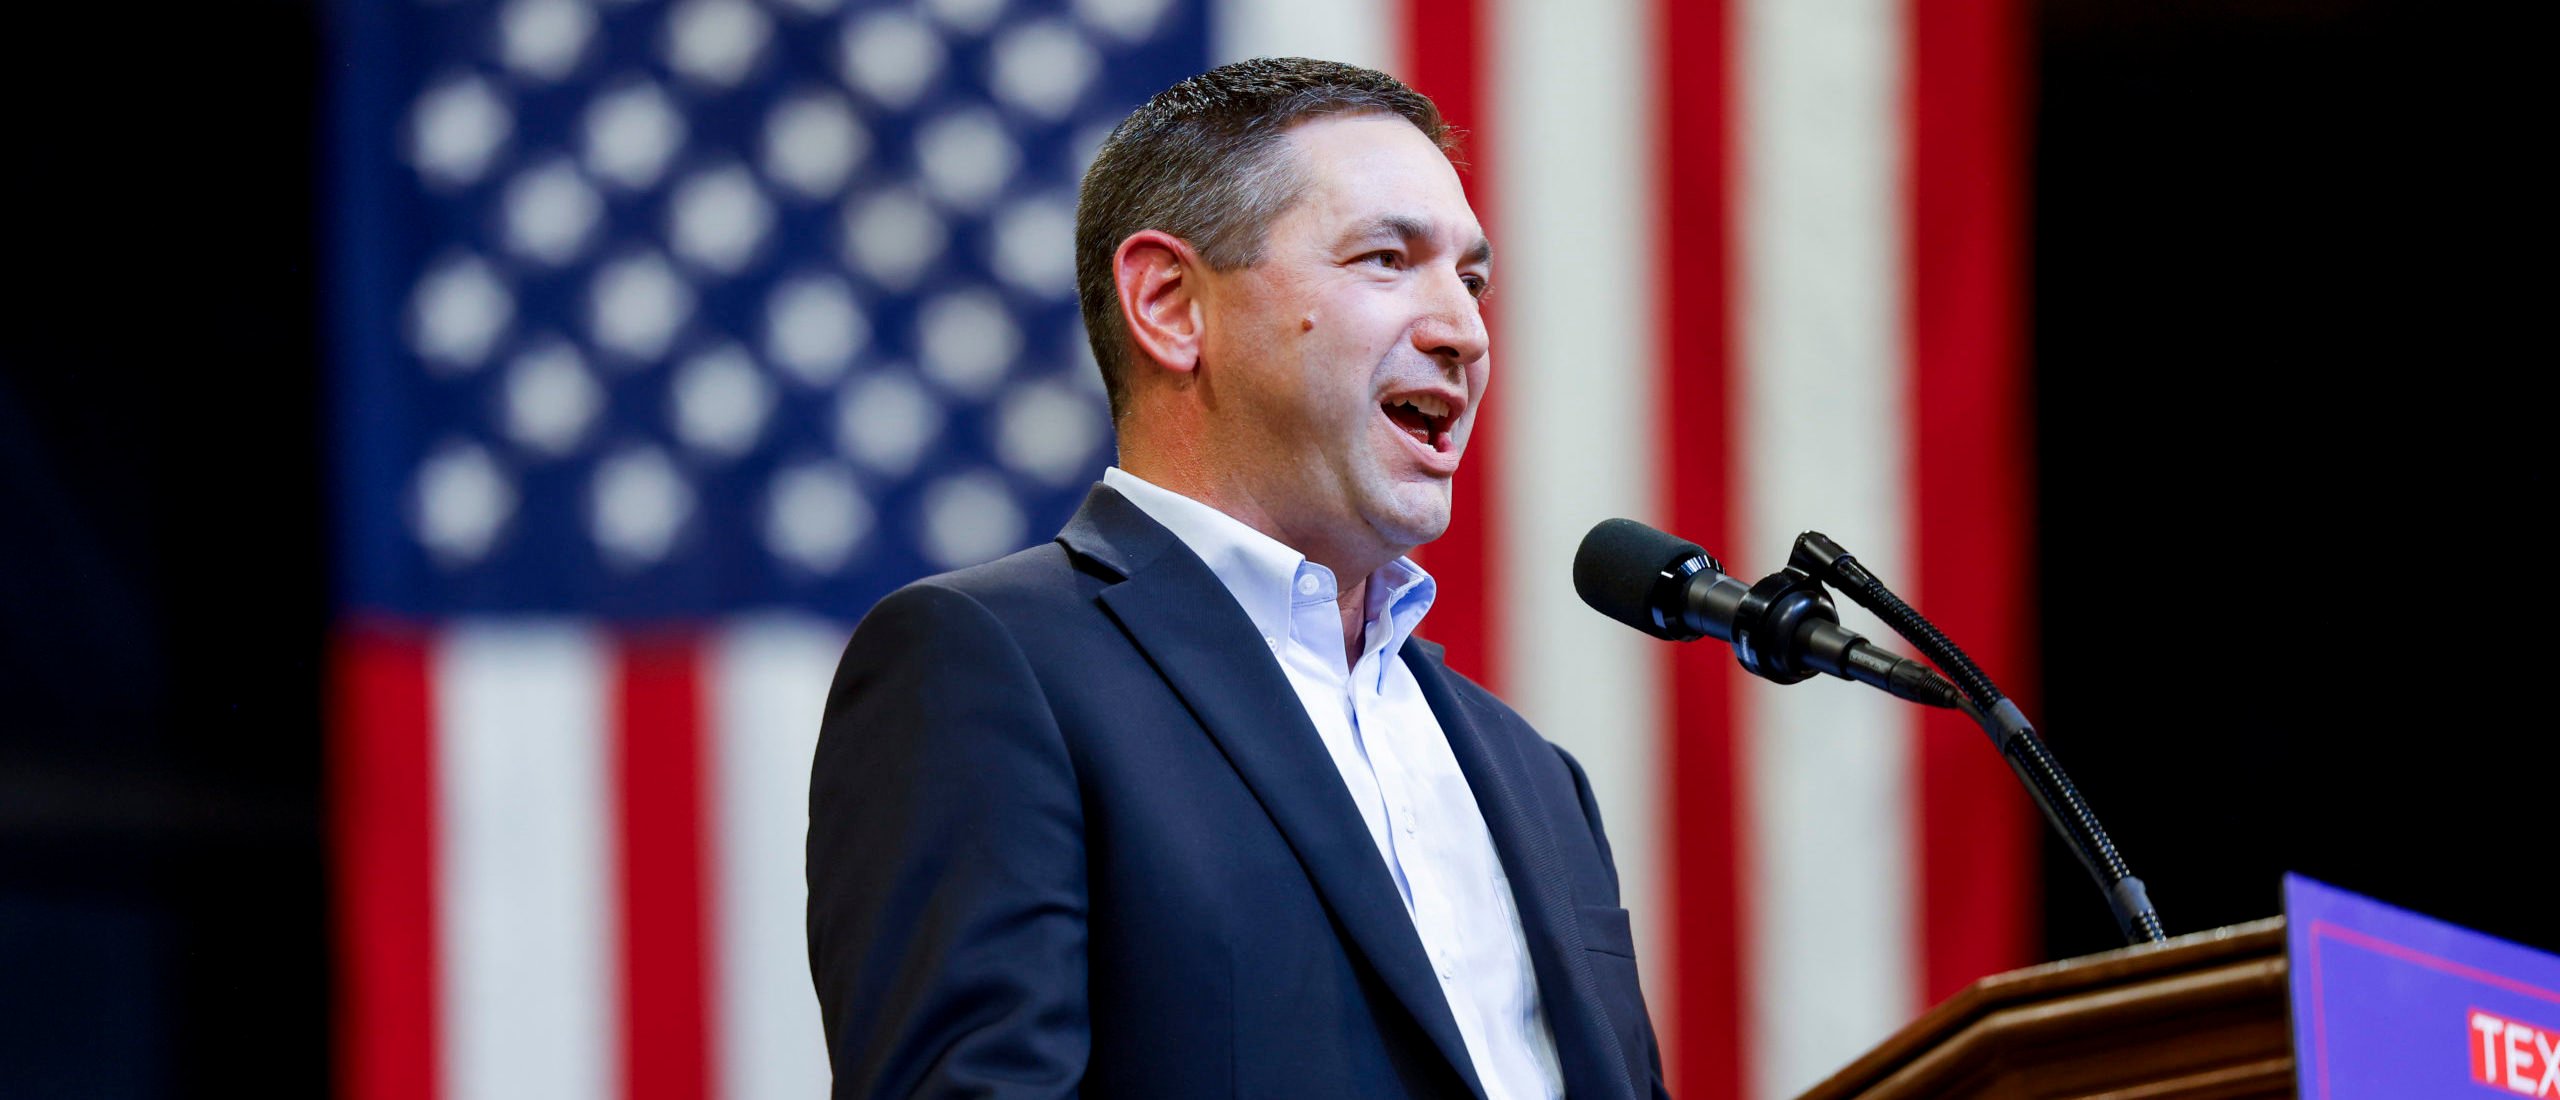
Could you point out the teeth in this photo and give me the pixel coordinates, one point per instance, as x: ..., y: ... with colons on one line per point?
x: 1429, y: 405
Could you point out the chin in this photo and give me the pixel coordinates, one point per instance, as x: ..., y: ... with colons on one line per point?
x: 1413, y: 516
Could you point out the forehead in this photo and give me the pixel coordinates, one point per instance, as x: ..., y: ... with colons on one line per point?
x: 1357, y: 168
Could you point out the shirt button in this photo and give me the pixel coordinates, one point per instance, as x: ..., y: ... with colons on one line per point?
x: 1307, y: 584
x: 1271, y: 641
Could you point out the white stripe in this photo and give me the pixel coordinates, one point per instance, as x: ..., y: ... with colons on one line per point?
x: 769, y: 681
x: 527, y: 935
x: 1574, y: 385
x: 1831, y: 895
x: 1360, y: 32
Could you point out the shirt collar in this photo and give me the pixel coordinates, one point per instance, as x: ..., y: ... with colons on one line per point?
x: 1264, y: 575
x: 1405, y: 593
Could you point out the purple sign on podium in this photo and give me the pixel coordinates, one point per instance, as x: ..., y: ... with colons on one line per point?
x: 2387, y: 1003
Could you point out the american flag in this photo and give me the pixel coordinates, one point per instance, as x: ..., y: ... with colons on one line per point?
x: 669, y: 336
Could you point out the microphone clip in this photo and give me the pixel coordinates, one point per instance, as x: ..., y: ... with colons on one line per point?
x: 1769, y: 626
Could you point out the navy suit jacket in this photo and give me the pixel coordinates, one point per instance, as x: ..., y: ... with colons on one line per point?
x: 1071, y: 830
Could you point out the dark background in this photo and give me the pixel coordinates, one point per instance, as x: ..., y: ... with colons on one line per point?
x: 162, y: 915
x: 2285, y: 413
x: 2289, y: 435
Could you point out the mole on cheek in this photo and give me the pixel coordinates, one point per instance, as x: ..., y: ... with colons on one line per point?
x: 1307, y: 323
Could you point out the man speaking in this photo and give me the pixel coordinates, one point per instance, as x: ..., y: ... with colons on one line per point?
x: 1178, y: 805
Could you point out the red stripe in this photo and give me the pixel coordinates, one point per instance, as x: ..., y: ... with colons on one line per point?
x: 382, y: 832
x: 1976, y: 860
x: 660, y: 769
x: 1445, y: 44
x: 1702, y: 1021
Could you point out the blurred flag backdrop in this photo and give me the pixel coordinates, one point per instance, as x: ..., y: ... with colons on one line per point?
x: 670, y: 336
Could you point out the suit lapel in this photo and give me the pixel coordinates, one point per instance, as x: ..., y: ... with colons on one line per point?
x: 1586, y: 1043
x: 1183, y: 618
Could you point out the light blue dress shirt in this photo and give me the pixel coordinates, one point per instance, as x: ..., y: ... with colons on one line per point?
x: 1396, y: 762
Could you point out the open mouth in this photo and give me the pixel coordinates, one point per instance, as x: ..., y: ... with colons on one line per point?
x: 1425, y: 417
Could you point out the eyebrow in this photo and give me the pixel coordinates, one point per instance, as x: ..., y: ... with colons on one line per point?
x: 1407, y: 228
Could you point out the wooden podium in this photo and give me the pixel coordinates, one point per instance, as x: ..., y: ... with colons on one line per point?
x: 2198, y: 1016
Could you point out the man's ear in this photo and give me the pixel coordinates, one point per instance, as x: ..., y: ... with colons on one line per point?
x: 1159, y: 280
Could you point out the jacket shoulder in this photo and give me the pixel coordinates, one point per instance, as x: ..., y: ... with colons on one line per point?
x: 1026, y: 583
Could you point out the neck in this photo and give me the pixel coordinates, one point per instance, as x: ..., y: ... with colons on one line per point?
x: 1219, y: 486
x: 1202, y: 481
x: 1353, y: 603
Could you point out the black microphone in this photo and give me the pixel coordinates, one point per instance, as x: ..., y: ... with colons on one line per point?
x: 1783, y: 628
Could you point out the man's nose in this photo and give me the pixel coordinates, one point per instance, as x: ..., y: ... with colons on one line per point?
x: 1452, y: 325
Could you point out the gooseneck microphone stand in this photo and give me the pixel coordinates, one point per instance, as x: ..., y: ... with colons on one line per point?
x: 1982, y: 701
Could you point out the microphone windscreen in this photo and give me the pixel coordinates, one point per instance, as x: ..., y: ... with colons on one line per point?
x: 1619, y: 565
